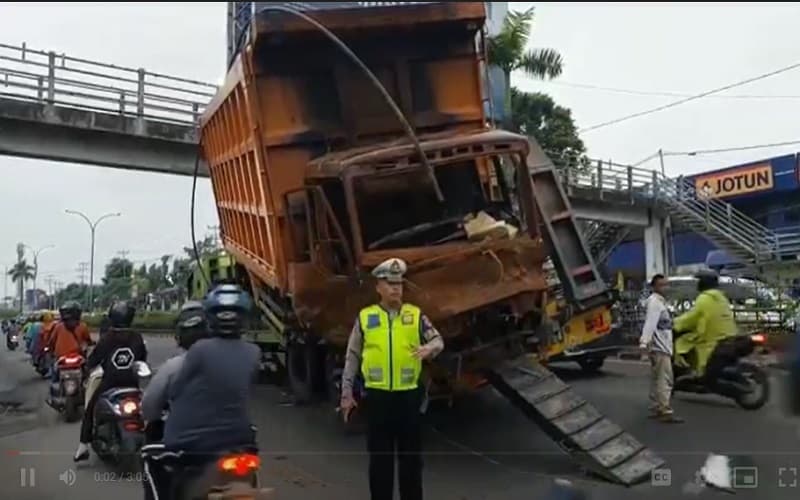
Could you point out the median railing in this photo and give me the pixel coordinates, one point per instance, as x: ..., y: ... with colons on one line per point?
x: 61, y: 80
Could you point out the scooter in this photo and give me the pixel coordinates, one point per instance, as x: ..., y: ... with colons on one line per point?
x: 66, y: 395
x: 741, y: 380
x: 118, y: 433
x: 12, y: 341
x: 230, y: 475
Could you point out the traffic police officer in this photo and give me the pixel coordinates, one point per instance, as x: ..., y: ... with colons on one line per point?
x: 389, y: 342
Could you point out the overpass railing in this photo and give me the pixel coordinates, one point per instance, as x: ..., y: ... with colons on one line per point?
x: 58, y: 79
x: 715, y: 217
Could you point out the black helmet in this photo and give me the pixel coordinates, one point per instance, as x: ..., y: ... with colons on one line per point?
x: 191, y: 324
x: 120, y: 314
x: 706, y: 280
x: 227, y: 307
x: 70, y: 310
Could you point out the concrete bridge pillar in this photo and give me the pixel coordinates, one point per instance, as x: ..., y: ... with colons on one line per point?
x: 655, y: 247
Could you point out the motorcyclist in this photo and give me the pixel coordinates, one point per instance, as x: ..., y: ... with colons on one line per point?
x: 116, y: 353
x: 191, y: 326
x: 708, y: 322
x: 209, y: 396
x: 40, y: 341
x: 33, y: 334
x: 68, y: 336
x: 26, y: 328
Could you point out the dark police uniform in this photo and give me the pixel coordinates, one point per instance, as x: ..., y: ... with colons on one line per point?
x: 382, y: 345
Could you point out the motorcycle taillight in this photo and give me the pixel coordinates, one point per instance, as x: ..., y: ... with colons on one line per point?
x: 129, y: 407
x: 239, y: 464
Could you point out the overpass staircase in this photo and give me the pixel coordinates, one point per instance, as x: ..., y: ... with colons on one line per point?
x: 721, y: 223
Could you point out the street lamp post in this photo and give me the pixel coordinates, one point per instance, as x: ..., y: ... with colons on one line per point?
x: 92, y: 227
x: 36, y: 271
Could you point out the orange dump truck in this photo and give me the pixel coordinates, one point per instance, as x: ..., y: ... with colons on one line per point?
x: 321, y: 171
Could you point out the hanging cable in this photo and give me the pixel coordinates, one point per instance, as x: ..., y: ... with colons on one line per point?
x: 191, y: 215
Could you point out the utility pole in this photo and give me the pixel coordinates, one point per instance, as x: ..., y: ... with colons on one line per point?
x: 82, y: 268
x: 36, y: 270
x: 51, y: 299
x: 92, y: 227
x: 215, y: 231
x: 124, y: 256
x: 57, y: 287
x: 5, y: 286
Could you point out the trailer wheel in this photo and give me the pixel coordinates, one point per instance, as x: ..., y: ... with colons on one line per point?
x: 301, y: 369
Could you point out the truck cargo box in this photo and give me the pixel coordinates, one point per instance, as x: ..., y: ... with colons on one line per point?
x: 292, y: 96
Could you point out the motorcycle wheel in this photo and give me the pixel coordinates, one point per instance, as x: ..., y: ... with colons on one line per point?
x: 72, y: 410
x: 759, y: 380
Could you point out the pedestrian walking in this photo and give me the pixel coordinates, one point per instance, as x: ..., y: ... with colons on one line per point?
x: 656, y: 339
x: 388, y: 343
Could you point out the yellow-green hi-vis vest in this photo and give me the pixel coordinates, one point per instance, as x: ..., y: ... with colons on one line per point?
x: 387, y: 359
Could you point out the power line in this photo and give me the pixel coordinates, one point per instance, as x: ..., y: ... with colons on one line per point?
x: 691, y: 98
x: 732, y: 149
x: 655, y: 93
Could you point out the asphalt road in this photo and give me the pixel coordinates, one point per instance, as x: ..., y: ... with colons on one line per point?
x: 480, y: 449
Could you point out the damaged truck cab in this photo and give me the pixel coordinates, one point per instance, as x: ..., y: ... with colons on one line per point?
x: 360, y: 207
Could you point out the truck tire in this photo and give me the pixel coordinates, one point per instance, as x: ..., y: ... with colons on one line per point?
x: 592, y: 364
x: 302, y: 369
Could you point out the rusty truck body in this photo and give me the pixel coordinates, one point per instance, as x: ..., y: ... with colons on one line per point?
x: 316, y: 181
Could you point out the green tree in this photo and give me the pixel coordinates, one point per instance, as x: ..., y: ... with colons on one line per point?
x: 206, y: 246
x: 20, y: 273
x: 537, y: 115
x: 509, y: 51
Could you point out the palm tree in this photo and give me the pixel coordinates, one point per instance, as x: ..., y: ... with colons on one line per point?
x: 508, y: 51
x: 21, y: 273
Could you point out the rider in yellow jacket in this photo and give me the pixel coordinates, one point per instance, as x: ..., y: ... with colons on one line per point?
x: 707, y: 323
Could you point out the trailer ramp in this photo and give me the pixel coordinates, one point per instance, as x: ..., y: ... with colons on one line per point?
x: 599, y: 445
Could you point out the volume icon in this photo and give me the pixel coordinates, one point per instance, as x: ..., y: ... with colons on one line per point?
x: 68, y: 477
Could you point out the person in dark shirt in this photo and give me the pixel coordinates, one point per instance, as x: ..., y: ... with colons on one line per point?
x: 209, y: 395
x: 116, y: 353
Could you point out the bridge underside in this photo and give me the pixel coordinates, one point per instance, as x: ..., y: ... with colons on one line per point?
x: 610, y: 213
x: 44, y: 132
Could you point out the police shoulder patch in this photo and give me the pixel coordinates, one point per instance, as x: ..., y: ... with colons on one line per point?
x: 373, y: 320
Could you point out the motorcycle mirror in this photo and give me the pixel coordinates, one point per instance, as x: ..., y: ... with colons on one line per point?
x: 142, y: 369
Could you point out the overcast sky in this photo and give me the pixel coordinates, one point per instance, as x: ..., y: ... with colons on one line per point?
x: 645, y: 48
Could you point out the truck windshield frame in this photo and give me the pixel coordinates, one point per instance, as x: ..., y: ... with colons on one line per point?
x: 500, y: 205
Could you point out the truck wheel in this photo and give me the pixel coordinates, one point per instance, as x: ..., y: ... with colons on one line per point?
x: 592, y: 365
x: 302, y: 370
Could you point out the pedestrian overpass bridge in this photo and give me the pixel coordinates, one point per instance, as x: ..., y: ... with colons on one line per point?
x: 62, y: 108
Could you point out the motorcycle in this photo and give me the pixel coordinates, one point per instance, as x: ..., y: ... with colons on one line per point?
x: 739, y: 379
x: 232, y: 474
x: 12, y: 341
x: 42, y: 362
x: 66, y: 395
x: 118, y: 431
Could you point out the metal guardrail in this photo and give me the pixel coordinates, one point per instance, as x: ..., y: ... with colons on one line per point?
x: 61, y: 80
x: 713, y: 215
